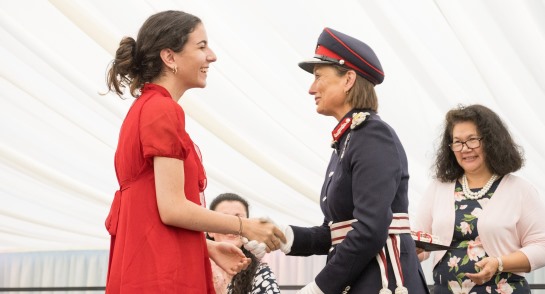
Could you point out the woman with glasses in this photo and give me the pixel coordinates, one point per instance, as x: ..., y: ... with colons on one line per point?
x: 490, y: 218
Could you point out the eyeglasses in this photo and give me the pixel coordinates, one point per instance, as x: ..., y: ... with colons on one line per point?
x: 471, y: 144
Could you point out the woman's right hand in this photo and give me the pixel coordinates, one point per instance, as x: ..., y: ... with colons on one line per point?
x: 263, y: 231
x: 228, y: 257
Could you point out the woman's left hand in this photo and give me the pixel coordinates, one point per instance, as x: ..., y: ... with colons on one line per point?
x: 229, y: 257
x: 488, y: 266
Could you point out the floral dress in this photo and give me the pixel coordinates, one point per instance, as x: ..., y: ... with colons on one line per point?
x: 449, y: 273
x: 264, y: 282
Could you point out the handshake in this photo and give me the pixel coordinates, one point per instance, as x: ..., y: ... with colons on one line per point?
x: 260, y: 248
x: 273, y: 243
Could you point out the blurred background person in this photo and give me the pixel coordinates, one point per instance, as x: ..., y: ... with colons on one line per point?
x: 258, y: 277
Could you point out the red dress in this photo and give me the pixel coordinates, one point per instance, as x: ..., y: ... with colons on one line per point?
x: 147, y: 256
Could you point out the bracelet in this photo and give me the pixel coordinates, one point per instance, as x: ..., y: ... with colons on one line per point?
x: 240, y: 226
x: 500, y: 265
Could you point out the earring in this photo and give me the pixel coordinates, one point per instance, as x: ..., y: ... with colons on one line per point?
x: 175, y: 69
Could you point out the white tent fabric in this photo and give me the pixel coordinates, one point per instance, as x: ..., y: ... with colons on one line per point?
x: 255, y: 122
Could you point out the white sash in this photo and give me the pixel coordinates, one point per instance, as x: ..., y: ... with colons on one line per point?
x: 400, y: 225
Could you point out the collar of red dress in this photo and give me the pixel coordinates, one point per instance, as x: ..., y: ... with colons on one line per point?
x: 155, y: 87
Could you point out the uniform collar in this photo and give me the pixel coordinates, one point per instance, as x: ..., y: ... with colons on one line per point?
x: 343, y: 126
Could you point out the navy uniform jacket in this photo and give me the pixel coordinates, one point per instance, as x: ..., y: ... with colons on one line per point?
x: 369, y: 183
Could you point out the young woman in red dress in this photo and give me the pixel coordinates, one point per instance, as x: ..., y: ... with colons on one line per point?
x: 158, y: 215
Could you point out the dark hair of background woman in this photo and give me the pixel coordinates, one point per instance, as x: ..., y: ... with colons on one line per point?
x: 502, y: 155
x: 243, y: 281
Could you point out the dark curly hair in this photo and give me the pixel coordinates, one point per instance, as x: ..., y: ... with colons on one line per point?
x: 243, y: 281
x: 138, y: 61
x: 503, y: 156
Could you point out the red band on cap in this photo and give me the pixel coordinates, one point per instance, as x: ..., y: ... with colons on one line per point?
x: 357, y: 55
x: 322, y: 50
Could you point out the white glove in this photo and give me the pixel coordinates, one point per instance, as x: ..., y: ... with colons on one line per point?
x: 311, y: 288
x: 256, y: 248
x: 259, y: 249
x: 288, y: 232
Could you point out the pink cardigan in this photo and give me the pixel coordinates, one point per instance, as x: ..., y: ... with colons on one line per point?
x: 512, y: 220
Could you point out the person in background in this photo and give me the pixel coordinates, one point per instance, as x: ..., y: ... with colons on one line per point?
x: 491, y: 218
x: 366, y: 231
x: 158, y: 215
x: 258, y: 277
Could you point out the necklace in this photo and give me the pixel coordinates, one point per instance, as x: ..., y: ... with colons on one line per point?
x: 468, y: 194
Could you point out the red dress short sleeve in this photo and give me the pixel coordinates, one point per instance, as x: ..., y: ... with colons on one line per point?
x: 162, y: 125
x: 147, y: 256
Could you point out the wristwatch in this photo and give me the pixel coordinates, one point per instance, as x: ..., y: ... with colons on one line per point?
x: 500, y: 265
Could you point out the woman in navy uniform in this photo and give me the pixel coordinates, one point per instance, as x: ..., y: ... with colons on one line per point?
x: 366, y: 231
